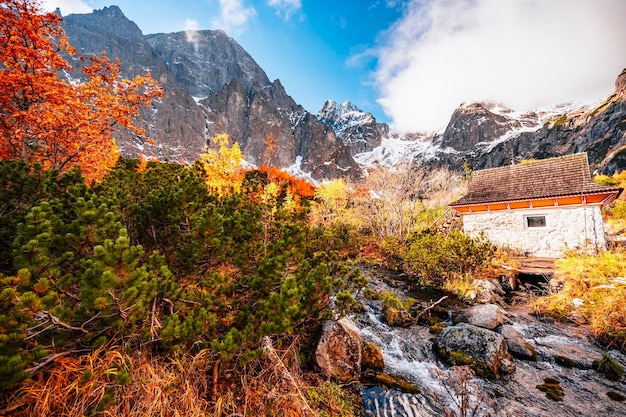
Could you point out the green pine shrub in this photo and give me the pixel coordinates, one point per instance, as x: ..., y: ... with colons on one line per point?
x: 435, y: 258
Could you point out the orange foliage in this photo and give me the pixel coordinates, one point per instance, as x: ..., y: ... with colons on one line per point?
x: 296, y: 186
x: 270, y: 149
x: 44, y: 117
x: 143, y: 164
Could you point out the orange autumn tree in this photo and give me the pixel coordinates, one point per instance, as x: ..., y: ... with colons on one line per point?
x: 48, y: 119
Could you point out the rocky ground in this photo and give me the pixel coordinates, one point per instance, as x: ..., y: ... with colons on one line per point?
x: 551, y: 373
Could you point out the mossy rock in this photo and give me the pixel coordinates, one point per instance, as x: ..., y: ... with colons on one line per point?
x: 616, y: 396
x: 372, y: 357
x: 565, y: 362
x: 397, y: 383
x: 437, y: 328
x: 552, y: 388
x: 457, y: 358
x: 397, y: 317
x: 609, y: 366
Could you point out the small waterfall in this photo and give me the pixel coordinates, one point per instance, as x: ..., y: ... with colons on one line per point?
x: 408, y: 353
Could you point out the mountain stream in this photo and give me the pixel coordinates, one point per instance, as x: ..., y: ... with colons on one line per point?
x: 445, y: 391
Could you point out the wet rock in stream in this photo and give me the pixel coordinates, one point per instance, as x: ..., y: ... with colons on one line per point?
x: 409, y: 353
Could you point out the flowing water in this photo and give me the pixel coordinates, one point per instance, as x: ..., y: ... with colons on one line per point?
x: 408, y: 353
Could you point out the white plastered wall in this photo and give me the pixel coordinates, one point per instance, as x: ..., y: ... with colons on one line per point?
x: 578, y: 227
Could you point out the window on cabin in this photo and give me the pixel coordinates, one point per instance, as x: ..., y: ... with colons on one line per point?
x: 535, y: 221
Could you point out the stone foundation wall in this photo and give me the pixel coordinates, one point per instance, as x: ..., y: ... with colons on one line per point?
x: 566, y: 228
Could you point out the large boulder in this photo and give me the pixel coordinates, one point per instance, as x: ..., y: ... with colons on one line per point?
x: 488, y: 316
x: 338, y: 352
x: 482, y: 349
x: 486, y: 291
x: 516, y: 343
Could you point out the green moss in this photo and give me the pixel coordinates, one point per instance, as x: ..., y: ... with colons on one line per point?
x: 437, y: 328
x: 457, y: 358
x: 616, y: 396
x: 372, y: 357
x: 565, y: 361
x: 609, y: 366
x: 550, y: 380
x: 552, y: 388
x: 397, y: 383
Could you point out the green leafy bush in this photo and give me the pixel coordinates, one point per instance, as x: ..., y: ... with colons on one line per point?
x: 435, y: 258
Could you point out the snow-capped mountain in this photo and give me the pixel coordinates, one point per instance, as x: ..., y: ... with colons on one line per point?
x: 212, y: 85
x: 357, y: 130
x: 487, y: 135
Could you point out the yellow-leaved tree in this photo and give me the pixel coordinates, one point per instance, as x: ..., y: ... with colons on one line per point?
x: 222, y: 167
x: 331, y: 202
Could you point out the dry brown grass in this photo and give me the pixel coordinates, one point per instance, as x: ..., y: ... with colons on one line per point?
x: 111, y: 382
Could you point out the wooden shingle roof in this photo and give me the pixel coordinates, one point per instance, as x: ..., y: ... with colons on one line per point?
x: 547, y: 178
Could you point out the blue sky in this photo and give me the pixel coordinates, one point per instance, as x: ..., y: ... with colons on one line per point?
x: 411, y: 62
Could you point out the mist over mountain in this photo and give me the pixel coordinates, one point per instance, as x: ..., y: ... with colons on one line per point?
x: 212, y: 85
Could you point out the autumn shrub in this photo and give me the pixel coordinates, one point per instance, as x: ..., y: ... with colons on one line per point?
x: 594, y: 285
x: 434, y: 258
x: 615, y: 212
x: 151, y: 260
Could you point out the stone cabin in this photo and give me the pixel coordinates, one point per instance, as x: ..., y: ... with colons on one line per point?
x: 541, y: 208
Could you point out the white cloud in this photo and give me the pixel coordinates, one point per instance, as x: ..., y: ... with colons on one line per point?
x: 191, y: 32
x: 523, y: 53
x: 285, y: 8
x: 234, y: 15
x: 67, y: 6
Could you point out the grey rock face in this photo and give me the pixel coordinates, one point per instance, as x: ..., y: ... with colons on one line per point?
x: 488, y: 316
x: 486, y: 347
x: 338, y: 352
x: 205, y: 61
x: 474, y: 123
x: 355, y: 129
x: 248, y: 115
x: 516, y: 343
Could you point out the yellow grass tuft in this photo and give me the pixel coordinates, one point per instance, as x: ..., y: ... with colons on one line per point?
x: 595, y: 287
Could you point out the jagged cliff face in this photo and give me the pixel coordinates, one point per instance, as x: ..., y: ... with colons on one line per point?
x: 486, y: 135
x: 357, y: 130
x: 247, y: 115
x: 203, y: 62
x: 175, y: 121
x: 212, y: 85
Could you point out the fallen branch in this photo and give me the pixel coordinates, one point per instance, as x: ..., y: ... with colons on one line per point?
x: 57, y: 321
x: 430, y: 307
x: 286, y: 375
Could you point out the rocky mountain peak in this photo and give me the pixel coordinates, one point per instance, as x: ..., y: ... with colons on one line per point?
x: 108, y: 21
x: 473, y: 123
x: 204, y: 61
x: 330, y: 111
x: 357, y: 130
